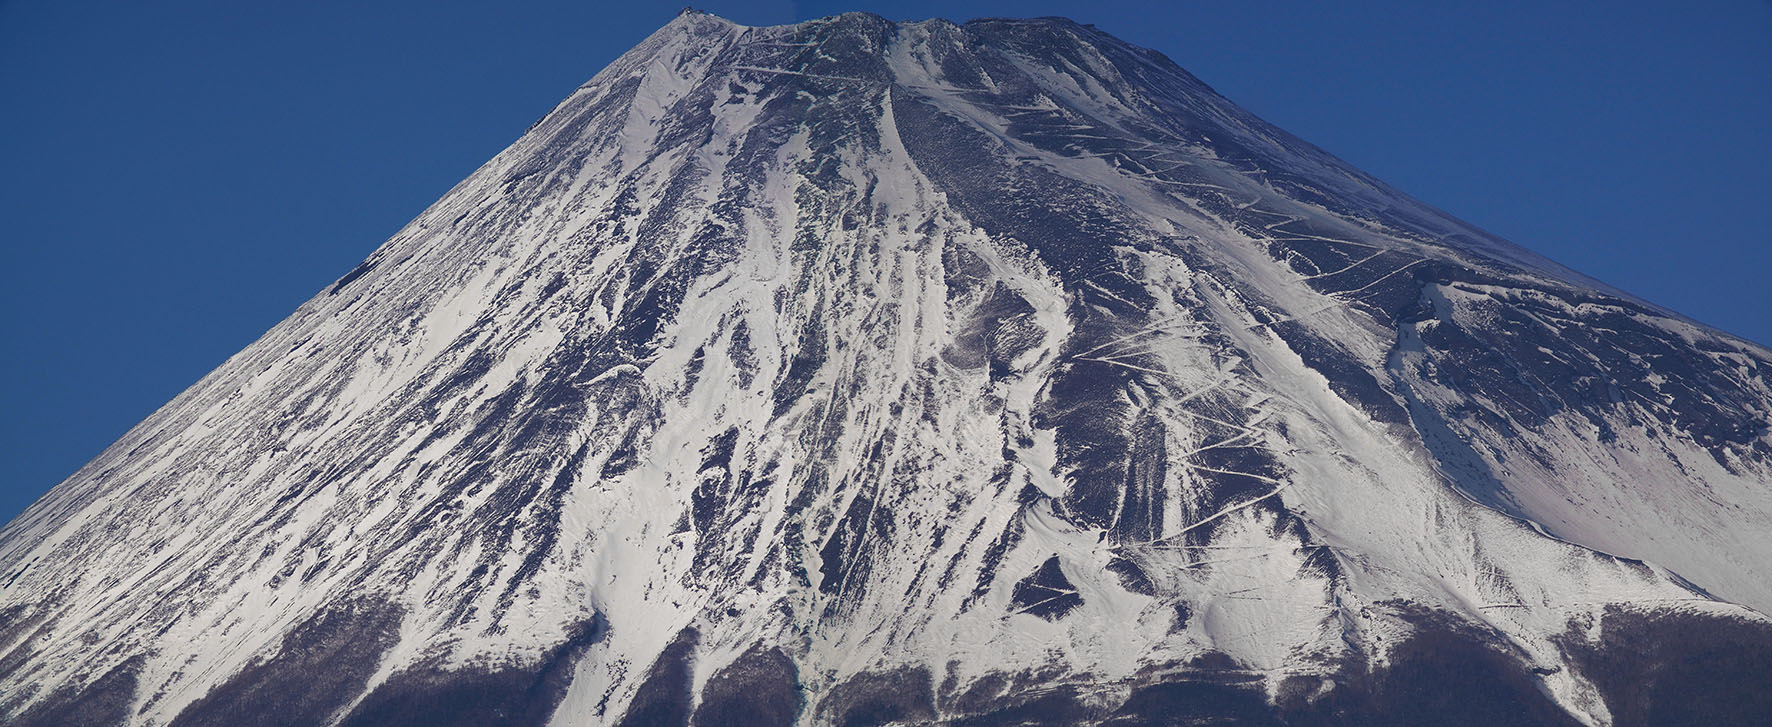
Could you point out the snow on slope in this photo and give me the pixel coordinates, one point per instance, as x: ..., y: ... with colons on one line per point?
x: 854, y: 371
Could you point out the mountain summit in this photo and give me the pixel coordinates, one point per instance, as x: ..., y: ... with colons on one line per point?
x: 857, y: 372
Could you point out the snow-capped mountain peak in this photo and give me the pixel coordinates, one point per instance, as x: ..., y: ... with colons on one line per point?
x: 859, y: 372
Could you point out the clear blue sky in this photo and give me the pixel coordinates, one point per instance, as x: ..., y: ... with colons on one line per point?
x: 177, y: 176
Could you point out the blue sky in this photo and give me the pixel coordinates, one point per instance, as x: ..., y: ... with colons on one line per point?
x: 177, y: 176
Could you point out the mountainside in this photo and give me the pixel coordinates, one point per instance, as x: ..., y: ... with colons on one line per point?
x: 856, y: 372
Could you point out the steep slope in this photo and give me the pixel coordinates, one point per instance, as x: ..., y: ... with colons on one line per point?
x: 858, y: 372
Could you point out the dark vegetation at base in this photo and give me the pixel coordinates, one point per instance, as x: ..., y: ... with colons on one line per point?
x: 663, y: 699
x: 507, y: 695
x: 760, y: 689
x: 1058, y: 706
x: 1678, y: 668
x: 1195, y: 703
x: 1653, y: 669
x: 105, y: 702
x: 318, y: 669
x: 868, y: 700
x: 1448, y: 674
x: 325, y: 663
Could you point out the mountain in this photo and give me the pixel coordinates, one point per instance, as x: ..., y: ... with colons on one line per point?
x: 855, y: 372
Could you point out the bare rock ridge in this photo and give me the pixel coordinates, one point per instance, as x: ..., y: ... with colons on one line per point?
x: 861, y: 373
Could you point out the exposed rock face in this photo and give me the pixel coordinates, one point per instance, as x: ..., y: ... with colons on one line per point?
x: 861, y: 373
